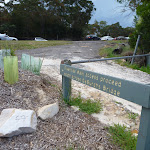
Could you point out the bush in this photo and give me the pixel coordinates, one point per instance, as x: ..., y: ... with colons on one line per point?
x: 142, y: 28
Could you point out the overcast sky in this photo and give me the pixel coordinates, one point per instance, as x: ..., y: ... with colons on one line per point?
x: 111, y: 12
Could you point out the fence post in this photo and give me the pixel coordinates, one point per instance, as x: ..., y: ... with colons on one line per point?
x: 66, y: 83
x: 143, y: 142
x: 137, y: 43
x: 148, y: 61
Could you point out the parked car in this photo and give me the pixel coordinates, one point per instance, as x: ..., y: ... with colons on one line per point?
x: 92, y: 37
x: 104, y: 38
x: 7, y: 38
x: 120, y: 38
x: 39, y: 39
x: 127, y: 38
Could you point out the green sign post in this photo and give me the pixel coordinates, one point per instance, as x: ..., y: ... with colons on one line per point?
x: 131, y: 91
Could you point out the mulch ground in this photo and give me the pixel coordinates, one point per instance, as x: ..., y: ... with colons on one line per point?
x: 68, y: 129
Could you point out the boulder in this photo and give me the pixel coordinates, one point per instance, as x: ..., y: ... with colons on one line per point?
x: 48, y: 111
x: 17, y: 121
x: 117, y: 50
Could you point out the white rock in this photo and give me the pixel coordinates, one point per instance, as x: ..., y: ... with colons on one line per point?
x: 48, y: 111
x: 75, y: 108
x: 17, y: 121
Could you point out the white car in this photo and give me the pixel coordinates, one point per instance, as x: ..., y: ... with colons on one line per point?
x: 104, y: 38
x: 7, y: 38
x: 39, y: 39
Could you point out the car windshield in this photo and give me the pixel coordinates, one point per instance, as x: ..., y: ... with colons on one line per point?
x: 39, y: 38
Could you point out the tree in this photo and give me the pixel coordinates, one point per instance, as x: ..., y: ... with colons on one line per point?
x: 115, y: 30
x: 50, y: 18
x: 78, y: 14
x: 132, y: 4
x: 142, y: 23
x: 142, y: 28
x: 103, y: 28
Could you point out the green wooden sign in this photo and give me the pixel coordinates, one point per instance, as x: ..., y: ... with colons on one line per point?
x: 131, y: 91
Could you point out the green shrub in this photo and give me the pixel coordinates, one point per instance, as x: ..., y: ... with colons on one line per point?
x: 122, y: 137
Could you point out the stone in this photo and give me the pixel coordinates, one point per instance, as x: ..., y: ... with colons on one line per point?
x: 17, y: 121
x: 48, y: 111
x: 117, y: 50
x: 75, y: 108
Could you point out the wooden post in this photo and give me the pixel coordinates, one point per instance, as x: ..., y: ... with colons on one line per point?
x: 143, y: 142
x: 148, y: 60
x: 66, y: 84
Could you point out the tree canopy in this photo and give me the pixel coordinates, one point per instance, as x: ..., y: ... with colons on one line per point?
x: 51, y: 19
x: 142, y: 23
x: 142, y: 27
x: 101, y: 29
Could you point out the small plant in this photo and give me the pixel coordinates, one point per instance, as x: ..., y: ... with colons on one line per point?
x: 87, y: 106
x: 9, y: 46
x: 12, y: 52
x: 122, y: 137
x: 132, y: 115
x: 118, y: 102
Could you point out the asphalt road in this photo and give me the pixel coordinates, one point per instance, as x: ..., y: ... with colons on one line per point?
x: 82, y: 49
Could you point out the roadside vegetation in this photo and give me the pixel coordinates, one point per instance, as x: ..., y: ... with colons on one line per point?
x: 21, y: 45
x: 123, y: 137
x: 107, y: 51
x: 132, y: 115
x: 89, y: 106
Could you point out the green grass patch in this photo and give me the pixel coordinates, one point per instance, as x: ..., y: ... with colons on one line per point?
x: 107, y: 50
x: 132, y: 115
x: 21, y: 45
x: 122, y: 137
x: 135, y: 66
x: 117, y: 41
x: 87, y: 106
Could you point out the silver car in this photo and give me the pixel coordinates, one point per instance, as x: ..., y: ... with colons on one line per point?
x: 39, y: 39
x: 7, y: 38
x: 104, y: 38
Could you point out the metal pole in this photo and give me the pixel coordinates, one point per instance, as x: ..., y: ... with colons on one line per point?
x: 113, y: 58
x: 137, y: 42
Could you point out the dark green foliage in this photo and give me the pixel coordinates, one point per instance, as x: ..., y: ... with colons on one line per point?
x: 53, y: 19
x: 122, y: 137
x: 142, y: 25
x: 114, y: 30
